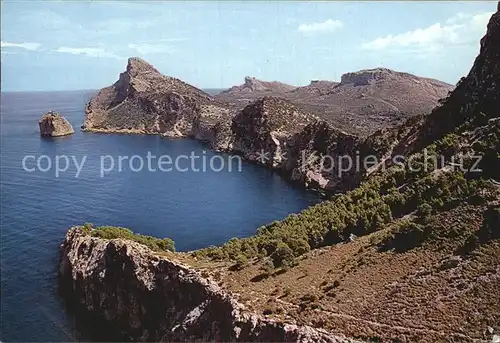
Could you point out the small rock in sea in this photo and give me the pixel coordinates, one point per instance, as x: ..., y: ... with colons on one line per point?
x: 54, y: 125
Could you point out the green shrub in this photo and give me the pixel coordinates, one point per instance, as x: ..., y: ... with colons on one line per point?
x: 298, y: 246
x: 424, y: 211
x: 283, y: 256
x: 368, y: 208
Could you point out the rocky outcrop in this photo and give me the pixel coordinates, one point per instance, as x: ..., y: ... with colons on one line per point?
x: 145, y: 101
x: 363, y: 102
x: 252, y: 84
x: 262, y: 130
x: 385, y: 93
x: 155, y: 298
x: 270, y: 130
x: 52, y: 124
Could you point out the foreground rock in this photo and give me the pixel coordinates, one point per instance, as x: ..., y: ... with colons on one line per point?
x: 54, y: 125
x: 154, y: 298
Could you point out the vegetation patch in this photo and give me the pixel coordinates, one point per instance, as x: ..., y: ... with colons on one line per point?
x: 113, y: 232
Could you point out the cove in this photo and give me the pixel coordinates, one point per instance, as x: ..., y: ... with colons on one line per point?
x: 195, y: 209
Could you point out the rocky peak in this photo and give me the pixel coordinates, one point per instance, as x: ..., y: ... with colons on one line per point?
x: 250, y: 80
x: 253, y: 84
x: 136, y: 66
x: 145, y: 101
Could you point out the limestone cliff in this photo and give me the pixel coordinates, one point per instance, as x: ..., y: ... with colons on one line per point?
x: 154, y: 298
x: 262, y: 130
x: 54, y: 125
x: 276, y: 133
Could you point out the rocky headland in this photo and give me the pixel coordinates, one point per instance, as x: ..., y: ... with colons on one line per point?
x: 52, y: 124
x: 361, y: 103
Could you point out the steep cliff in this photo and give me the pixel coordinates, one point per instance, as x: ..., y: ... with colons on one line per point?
x: 262, y: 130
x: 52, y: 124
x: 150, y: 297
x: 278, y: 134
x: 406, y: 256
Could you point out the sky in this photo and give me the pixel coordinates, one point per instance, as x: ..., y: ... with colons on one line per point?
x: 70, y: 45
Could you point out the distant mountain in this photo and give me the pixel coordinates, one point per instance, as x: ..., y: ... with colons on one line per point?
x: 363, y: 101
x: 314, y: 89
x: 255, y: 85
x: 384, y: 91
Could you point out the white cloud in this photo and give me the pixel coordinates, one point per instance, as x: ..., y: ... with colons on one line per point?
x: 26, y: 46
x: 329, y: 25
x: 89, y: 52
x: 459, y: 29
x: 147, y: 48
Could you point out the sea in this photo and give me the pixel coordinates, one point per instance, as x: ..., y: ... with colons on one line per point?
x: 51, y: 184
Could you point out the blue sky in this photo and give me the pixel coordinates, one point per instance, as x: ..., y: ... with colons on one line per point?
x: 63, y: 45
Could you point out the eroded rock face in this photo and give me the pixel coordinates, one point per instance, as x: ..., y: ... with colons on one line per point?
x: 54, y: 125
x: 271, y: 131
x: 154, y: 298
x: 279, y: 135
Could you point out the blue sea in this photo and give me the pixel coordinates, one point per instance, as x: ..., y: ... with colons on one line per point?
x: 194, y: 208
